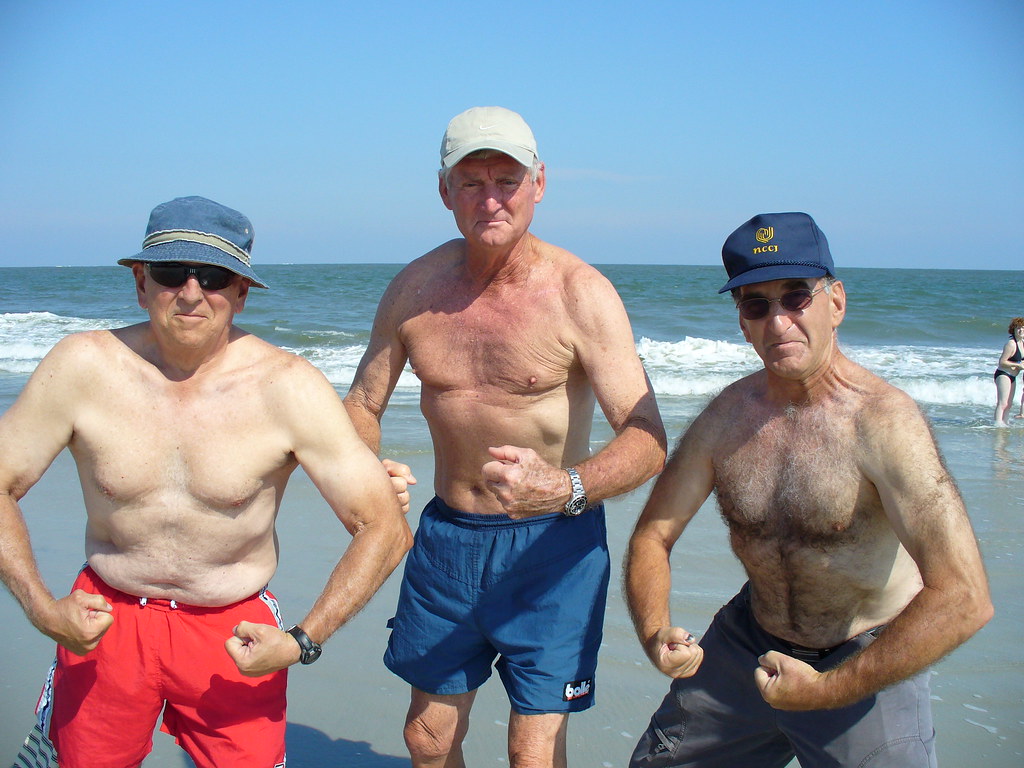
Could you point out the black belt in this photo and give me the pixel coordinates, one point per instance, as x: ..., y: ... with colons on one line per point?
x: 804, y: 653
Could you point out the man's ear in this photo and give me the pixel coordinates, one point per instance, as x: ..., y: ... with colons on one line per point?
x: 139, y: 273
x: 540, y: 184
x: 838, y: 297
x: 243, y: 294
x: 744, y: 329
x: 442, y: 189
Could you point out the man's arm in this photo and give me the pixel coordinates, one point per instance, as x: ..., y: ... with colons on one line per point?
x: 32, y: 432
x: 603, y: 340
x: 678, y: 494
x: 616, y: 373
x: 379, y: 369
x: 355, y: 484
x: 928, y: 515
x: 375, y: 380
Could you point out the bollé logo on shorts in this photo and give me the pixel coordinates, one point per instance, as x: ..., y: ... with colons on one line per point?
x: 577, y: 689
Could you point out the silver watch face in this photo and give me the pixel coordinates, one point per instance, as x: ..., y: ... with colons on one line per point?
x: 578, y: 502
x: 576, y: 505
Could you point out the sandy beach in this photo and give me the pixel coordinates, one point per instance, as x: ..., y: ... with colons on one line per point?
x: 348, y: 710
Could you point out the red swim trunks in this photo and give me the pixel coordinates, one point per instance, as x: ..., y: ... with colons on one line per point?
x: 160, y: 655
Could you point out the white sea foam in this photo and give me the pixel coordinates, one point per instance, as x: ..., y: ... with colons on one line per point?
x: 693, y: 367
x: 25, y: 337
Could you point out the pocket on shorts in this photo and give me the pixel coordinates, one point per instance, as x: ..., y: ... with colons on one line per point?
x: 658, y: 745
x: 442, y: 546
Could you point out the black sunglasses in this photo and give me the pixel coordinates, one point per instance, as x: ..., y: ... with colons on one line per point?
x: 173, y: 274
x: 791, y: 301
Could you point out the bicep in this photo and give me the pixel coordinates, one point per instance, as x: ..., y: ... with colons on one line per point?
x: 37, y: 427
x: 615, y: 371
x: 680, y: 490
x: 920, y: 497
x: 380, y: 366
x: 330, y: 451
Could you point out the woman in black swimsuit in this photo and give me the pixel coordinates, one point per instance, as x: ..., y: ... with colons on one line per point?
x: 1010, y: 364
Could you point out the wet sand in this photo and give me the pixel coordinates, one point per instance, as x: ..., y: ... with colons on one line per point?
x: 348, y: 710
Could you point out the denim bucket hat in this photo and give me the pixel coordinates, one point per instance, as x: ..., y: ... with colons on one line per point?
x: 201, y: 231
x: 776, y: 246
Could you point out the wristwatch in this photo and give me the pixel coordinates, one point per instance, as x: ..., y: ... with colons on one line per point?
x: 578, y: 502
x: 310, y: 651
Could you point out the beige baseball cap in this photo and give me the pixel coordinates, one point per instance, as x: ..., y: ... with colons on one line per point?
x: 488, y: 128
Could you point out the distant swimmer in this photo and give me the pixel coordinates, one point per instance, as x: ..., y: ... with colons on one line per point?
x: 1011, y: 363
x: 862, y: 566
x: 185, y: 430
x: 513, y: 340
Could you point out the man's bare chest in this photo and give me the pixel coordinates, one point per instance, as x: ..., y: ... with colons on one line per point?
x: 517, y: 352
x: 217, y: 451
x: 797, y: 483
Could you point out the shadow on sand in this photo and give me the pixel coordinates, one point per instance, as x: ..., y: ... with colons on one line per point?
x: 310, y: 748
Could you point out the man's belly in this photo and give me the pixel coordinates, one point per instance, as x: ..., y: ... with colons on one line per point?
x: 186, y: 581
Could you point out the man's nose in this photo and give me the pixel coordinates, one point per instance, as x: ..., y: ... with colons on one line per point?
x: 491, y: 197
x: 191, y: 289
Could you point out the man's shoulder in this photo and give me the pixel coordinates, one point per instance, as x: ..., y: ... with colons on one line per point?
x: 433, y: 265
x: 877, y: 399
x: 738, y: 397
x: 80, y: 360
x: 564, y: 259
x: 442, y: 257
x: 96, y: 345
x: 251, y: 350
x: 734, y: 404
x: 578, y: 279
x: 283, y: 380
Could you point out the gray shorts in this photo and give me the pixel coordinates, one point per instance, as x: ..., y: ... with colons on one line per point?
x: 717, y: 718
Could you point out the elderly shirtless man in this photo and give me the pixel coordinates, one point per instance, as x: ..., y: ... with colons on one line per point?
x: 863, y: 569
x: 512, y: 339
x: 185, y: 430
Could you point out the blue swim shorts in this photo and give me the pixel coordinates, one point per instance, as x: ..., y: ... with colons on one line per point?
x: 529, y: 593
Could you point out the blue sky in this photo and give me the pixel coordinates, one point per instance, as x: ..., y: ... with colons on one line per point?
x: 898, y: 125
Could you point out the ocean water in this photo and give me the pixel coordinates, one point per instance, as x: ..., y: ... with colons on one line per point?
x: 935, y: 334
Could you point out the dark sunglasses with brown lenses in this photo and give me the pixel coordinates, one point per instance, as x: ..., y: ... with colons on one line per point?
x: 792, y: 301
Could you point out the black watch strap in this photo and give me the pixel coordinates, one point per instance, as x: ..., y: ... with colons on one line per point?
x: 308, y: 650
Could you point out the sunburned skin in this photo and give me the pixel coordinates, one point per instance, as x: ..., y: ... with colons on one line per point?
x: 515, y: 341
x: 497, y: 367
x: 178, y: 509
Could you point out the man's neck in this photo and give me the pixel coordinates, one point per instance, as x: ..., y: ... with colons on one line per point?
x: 490, y: 266
x: 179, y: 362
x: 821, y: 385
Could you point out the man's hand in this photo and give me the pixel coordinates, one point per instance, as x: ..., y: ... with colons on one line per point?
x: 401, y: 478
x: 78, y: 621
x: 261, y: 649
x: 524, y: 484
x: 675, y: 652
x: 790, y: 684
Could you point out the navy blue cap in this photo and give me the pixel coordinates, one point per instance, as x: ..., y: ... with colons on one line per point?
x: 201, y: 231
x: 776, y: 246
